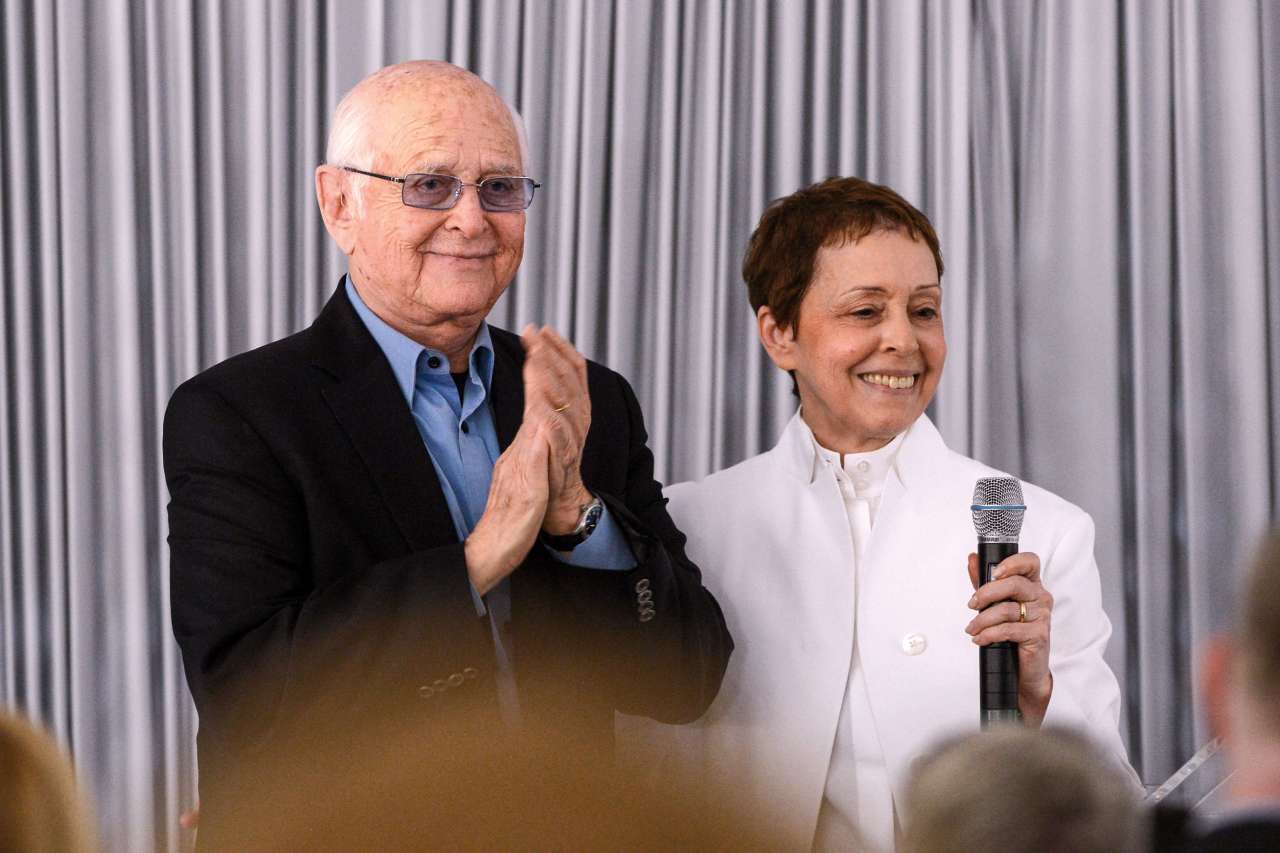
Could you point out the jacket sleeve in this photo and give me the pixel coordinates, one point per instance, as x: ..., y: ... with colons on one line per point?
x: 1086, y: 695
x: 666, y: 628
x: 260, y: 640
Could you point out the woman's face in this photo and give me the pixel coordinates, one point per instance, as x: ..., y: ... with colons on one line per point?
x: 868, y: 347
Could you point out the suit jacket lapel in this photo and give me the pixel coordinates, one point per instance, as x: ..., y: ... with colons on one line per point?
x: 361, y: 392
x: 506, y: 395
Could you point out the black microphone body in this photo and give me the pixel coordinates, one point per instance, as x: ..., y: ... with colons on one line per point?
x: 998, y: 511
x: 998, y: 662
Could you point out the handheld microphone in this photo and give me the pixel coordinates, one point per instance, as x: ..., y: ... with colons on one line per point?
x: 997, y: 517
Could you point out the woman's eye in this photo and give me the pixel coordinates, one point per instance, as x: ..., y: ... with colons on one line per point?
x: 864, y: 313
x: 926, y: 313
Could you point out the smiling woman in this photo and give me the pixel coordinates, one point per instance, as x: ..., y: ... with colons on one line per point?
x: 872, y: 350
x: 838, y: 556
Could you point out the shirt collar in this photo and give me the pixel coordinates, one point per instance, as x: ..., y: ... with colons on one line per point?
x: 407, y: 356
x: 867, y: 470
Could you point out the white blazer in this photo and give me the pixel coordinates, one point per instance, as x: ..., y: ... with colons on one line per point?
x: 772, y: 537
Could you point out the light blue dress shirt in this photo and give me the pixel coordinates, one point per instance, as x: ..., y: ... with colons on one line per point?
x: 463, y: 445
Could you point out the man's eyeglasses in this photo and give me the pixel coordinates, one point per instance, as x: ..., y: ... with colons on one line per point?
x: 499, y: 194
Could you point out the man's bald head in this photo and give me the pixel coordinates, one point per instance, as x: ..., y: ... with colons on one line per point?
x: 375, y: 105
x: 433, y: 273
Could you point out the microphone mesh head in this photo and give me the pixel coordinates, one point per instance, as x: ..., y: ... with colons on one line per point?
x: 998, y: 508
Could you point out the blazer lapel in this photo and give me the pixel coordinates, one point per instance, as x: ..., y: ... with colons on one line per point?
x: 506, y: 395
x: 371, y: 409
x: 528, y: 586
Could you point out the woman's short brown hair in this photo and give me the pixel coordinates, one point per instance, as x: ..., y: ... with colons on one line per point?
x: 783, y: 249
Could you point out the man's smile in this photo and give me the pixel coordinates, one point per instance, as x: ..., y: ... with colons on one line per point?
x: 464, y: 255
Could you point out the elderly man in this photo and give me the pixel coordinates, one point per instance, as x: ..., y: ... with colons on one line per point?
x: 1241, y: 679
x: 403, y: 526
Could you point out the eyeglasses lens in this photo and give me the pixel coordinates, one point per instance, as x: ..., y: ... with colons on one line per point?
x: 430, y: 191
x: 440, y: 192
x: 506, y: 193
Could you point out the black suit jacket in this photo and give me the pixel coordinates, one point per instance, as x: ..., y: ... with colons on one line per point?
x: 1243, y: 835
x: 321, y: 599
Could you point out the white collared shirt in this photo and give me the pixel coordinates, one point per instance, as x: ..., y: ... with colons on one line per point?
x: 857, y: 805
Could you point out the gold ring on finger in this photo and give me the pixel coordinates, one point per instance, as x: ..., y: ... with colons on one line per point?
x: 1022, y: 611
x: 562, y: 408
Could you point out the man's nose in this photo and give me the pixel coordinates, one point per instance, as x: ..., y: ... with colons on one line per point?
x: 467, y: 216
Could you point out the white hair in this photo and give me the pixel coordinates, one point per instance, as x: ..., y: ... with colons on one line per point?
x: 522, y: 138
x: 351, y: 143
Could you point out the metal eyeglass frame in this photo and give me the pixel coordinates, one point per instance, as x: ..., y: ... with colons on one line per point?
x: 458, y: 186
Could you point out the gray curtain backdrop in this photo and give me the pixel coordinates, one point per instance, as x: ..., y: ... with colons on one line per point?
x: 1103, y: 176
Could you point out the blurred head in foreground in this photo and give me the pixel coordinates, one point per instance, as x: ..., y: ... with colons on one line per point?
x: 40, y: 806
x: 1021, y: 791
x: 1241, y: 685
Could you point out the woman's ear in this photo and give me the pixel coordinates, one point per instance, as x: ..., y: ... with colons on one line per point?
x: 779, y: 342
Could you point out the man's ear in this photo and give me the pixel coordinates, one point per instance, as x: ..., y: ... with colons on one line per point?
x: 778, y: 342
x: 1216, y: 678
x: 333, y: 193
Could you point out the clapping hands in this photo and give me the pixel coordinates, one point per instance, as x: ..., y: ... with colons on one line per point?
x: 537, y: 481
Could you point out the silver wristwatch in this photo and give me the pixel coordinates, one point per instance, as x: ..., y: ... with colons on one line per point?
x: 587, y: 521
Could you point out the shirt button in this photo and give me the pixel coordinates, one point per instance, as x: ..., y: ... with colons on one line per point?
x: 433, y: 362
x: 466, y: 428
x: 914, y: 644
x: 860, y: 484
x: 864, y: 466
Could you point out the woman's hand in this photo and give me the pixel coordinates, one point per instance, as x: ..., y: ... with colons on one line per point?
x: 1016, y: 607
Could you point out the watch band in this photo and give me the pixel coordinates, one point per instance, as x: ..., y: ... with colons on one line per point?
x: 587, y: 521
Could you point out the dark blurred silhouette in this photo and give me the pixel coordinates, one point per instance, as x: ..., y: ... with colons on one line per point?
x: 1241, y: 689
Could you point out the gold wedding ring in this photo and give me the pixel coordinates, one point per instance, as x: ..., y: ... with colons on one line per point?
x: 562, y: 408
x: 1022, y: 611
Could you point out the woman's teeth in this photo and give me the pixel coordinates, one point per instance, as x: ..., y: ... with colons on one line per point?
x: 889, y: 381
